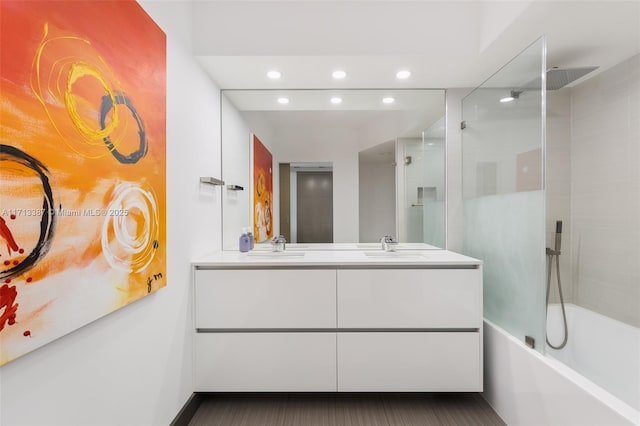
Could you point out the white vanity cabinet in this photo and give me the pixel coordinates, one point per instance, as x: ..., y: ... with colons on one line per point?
x: 260, y: 330
x: 409, y: 330
x: 258, y: 298
x: 338, y: 327
x: 409, y: 361
x: 409, y: 298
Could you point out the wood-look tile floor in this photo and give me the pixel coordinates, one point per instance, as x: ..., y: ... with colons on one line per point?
x: 345, y: 410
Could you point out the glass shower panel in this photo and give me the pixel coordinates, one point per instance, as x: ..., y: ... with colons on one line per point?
x: 433, y: 210
x: 503, y: 191
x: 421, y: 186
x: 411, y: 161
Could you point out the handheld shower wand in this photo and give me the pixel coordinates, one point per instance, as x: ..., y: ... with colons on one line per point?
x: 558, y: 236
x: 551, y: 253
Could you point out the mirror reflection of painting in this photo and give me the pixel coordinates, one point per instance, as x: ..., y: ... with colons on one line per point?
x: 262, y: 192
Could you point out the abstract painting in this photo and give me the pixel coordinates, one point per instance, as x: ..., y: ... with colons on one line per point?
x: 262, y: 192
x: 82, y: 165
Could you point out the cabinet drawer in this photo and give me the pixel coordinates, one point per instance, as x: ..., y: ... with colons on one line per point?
x: 409, y: 362
x: 265, y: 299
x: 414, y: 298
x: 265, y: 362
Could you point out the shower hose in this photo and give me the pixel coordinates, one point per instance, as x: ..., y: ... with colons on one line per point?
x: 564, y: 315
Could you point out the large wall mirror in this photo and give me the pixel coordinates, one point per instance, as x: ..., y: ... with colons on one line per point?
x: 334, y: 166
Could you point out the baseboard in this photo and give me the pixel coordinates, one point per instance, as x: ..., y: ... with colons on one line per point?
x: 188, y: 410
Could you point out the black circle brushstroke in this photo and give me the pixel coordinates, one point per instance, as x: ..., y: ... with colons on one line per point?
x: 105, y: 107
x: 48, y: 221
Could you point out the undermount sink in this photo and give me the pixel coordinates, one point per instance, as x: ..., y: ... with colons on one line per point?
x: 275, y: 254
x: 375, y: 246
x: 395, y: 254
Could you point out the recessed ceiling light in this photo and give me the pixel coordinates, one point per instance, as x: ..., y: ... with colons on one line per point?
x: 274, y: 75
x: 388, y: 100
x: 507, y: 99
x: 403, y: 74
x: 336, y: 100
x: 283, y: 100
x: 339, y: 74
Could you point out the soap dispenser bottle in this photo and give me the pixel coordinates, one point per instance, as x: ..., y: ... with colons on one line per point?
x: 245, y: 242
x: 252, y: 240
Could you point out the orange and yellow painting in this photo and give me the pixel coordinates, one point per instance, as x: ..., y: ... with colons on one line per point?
x: 262, y: 192
x: 82, y: 165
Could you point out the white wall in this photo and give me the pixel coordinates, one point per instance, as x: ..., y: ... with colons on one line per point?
x: 377, y: 204
x: 339, y: 145
x: 236, y: 170
x: 134, y: 366
x: 605, y: 192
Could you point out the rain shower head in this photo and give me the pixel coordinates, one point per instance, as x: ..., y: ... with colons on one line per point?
x: 560, y: 77
x: 557, y: 78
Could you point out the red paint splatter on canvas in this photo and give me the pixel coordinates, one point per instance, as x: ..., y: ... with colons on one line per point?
x: 7, y: 301
x: 6, y: 234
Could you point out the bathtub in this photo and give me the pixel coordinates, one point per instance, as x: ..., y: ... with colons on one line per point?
x: 526, y: 387
x: 601, y: 349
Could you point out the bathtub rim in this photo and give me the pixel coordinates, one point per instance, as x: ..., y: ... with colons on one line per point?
x: 593, y: 388
x: 597, y: 392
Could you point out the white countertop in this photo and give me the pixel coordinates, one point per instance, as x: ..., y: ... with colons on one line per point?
x: 299, y: 257
x: 346, y: 246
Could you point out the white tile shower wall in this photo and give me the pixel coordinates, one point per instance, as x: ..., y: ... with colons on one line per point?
x: 558, y: 185
x: 605, y: 192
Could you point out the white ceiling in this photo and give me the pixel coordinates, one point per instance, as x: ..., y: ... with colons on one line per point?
x: 444, y: 43
x: 429, y: 102
x: 411, y: 113
x: 383, y: 153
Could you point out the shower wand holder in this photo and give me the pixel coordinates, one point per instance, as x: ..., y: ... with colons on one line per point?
x: 551, y: 252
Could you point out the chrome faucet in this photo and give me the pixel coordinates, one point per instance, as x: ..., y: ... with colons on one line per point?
x: 388, y: 243
x: 278, y: 243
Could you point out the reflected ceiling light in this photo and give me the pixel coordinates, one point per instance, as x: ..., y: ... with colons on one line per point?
x: 403, y: 74
x: 388, y: 100
x: 336, y: 100
x: 507, y: 99
x: 339, y: 74
x: 283, y: 100
x: 274, y: 75
x: 430, y: 143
